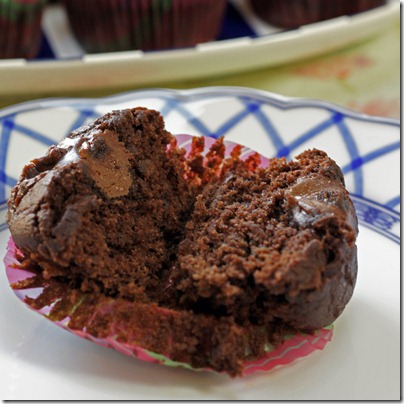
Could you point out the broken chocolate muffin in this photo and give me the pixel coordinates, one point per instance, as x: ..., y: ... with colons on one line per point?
x: 213, y: 258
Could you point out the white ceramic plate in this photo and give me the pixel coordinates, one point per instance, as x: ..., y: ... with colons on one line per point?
x: 38, y: 360
x: 65, y: 67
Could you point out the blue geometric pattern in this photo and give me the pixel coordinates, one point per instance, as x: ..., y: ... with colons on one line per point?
x: 273, y: 125
x: 378, y: 218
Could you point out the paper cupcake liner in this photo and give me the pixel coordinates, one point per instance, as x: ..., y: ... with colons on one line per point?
x: 294, y: 13
x: 117, y: 25
x: 62, y: 306
x: 293, y: 348
x: 20, y: 28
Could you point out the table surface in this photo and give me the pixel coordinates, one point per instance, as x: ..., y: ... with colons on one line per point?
x: 364, y: 77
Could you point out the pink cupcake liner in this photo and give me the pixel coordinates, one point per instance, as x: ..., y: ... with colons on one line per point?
x: 293, y: 348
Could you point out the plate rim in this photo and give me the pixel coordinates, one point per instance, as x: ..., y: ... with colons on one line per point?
x: 185, y: 95
x: 278, y: 100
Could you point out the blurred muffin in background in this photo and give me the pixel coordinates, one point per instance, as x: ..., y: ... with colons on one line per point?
x: 294, y: 13
x: 119, y: 25
x: 20, y: 28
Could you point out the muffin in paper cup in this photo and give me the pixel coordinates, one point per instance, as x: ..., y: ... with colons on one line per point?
x: 154, y: 333
x: 294, y: 13
x: 20, y: 27
x: 120, y: 25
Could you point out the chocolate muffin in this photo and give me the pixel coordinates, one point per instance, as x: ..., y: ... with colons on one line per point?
x: 294, y: 13
x: 20, y: 27
x: 124, y: 25
x: 273, y: 244
x: 106, y: 207
x: 205, y: 259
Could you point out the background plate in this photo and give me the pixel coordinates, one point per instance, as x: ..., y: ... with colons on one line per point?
x: 362, y: 361
x: 245, y: 42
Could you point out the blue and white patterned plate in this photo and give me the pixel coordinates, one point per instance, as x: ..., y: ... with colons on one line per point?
x: 365, y: 350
